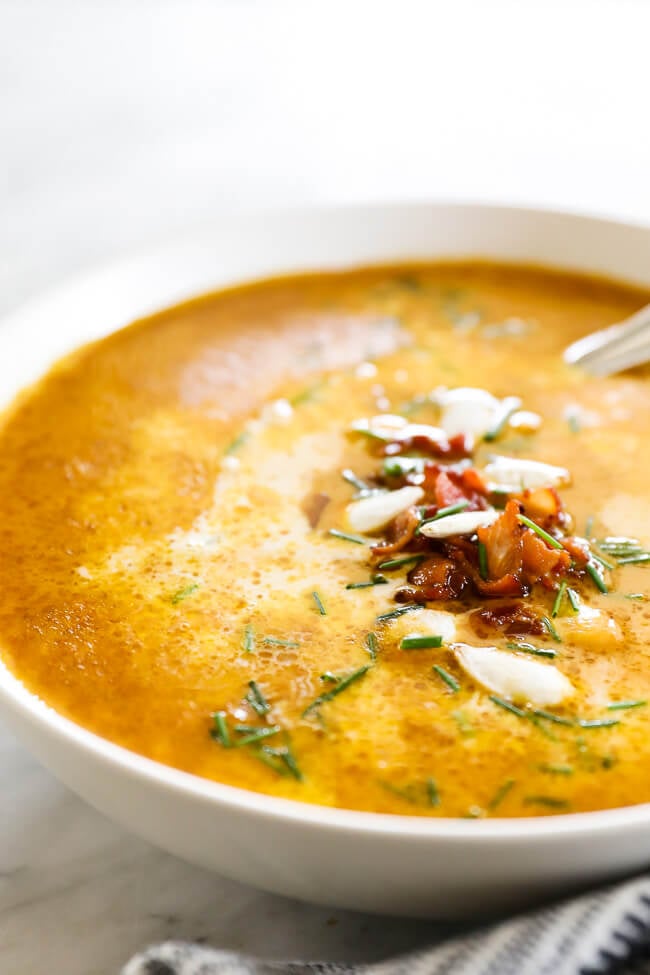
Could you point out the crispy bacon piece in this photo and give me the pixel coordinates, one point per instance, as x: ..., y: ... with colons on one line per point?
x: 503, y: 543
x: 456, y: 447
x: 444, y: 486
x: 543, y: 505
x: 514, y: 619
x: 541, y: 563
x: 577, y: 549
x: 438, y: 578
x: 400, y: 533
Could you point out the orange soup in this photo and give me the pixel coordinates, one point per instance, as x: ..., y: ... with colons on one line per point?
x: 359, y: 539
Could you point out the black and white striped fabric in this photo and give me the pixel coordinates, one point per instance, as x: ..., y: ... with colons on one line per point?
x: 602, y: 933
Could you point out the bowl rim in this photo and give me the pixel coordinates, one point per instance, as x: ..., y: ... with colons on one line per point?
x: 16, y: 698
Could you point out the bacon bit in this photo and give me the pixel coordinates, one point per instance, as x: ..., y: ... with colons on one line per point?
x: 400, y: 533
x: 438, y: 578
x: 514, y: 619
x: 313, y: 506
x: 455, y: 447
x: 446, y: 492
x: 541, y: 563
x: 543, y: 505
x: 578, y: 549
x: 504, y: 544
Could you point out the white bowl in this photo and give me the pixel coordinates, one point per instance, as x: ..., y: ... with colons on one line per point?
x: 371, y: 862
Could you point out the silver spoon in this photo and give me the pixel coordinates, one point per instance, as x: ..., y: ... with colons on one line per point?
x: 615, y: 348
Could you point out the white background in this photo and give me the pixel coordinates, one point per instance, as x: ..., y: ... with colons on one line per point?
x: 123, y: 120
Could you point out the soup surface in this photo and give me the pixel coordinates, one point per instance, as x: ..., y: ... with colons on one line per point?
x: 225, y: 542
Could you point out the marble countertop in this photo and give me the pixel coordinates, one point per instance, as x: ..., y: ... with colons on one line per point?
x: 124, y: 120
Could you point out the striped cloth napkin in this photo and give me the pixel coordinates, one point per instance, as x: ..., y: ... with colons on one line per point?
x: 602, y: 933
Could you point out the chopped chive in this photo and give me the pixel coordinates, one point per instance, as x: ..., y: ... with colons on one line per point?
x: 549, y: 801
x: 589, y: 526
x: 574, y: 599
x: 634, y: 595
x: 249, y: 639
x: 220, y: 731
x: 347, y: 537
x: 398, y: 563
x: 482, y: 560
x: 597, y: 722
x: 597, y: 577
x: 371, y: 646
x: 274, y: 641
x: 356, y: 482
x: 329, y: 676
x: 398, y: 466
x: 420, y: 642
x: 257, y: 700
x: 237, y: 442
x: 450, y: 509
x: 396, y: 613
x: 444, y: 675
x: 529, y: 648
x: 635, y: 559
x: 500, y: 794
x: 602, y: 561
x: 319, y: 604
x: 376, y: 580
x: 553, y: 542
x: 344, y: 682
x: 625, y: 705
x: 555, y: 718
x: 432, y: 792
x: 182, y: 594
x: 306, y: 394
x: 286, y: 755
x: 269, y: 757
x: 551, y: 629
x: 557, y: 769
x: 258, y: 735
x: 573, y: 423
x: 510, y: 405
x: 464, y: 724
x: 558, y: 600
x: 508, y: 706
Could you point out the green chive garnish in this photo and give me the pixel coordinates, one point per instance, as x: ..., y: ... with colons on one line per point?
x: 625, y: 705
x: 347, y: 537
x: 573, y: 423
x: 598, y: 722
x: 551, y: 629
x: 352, y: 479
x: 376, y: 580
x: 555, y: 718
x: 500, y: 794
x: 557, y: 769
x: 319, y: 604
x: 508, y: 706
x: 182, y: 594
x: 344, y: 682
x: 574, y: 599
x: 398, y: 466
x: 589, y: 526
x: 597, y: 577
x: 274, y: 641
x: 432, y: 792
x: 395, y: 613
x: 286, y: 755
x: 549, y: 801
x: 602, y: 561
x: 529, y: 648
x: 510, y: 405
x: 444, y: 675
x: 421, y: 642
x: 256, y: 699
x: 220, y: 731
x: 403, y: 560
x: 635, y: 559
x: 482, y: 560
x: 634, y: 595
x: 259, y: 735
x: 450, y: 509
x: 553, y: 542
x: 237, y: 442
x: 558, y: 600
x: 371, y: 646
x: 249, y: 639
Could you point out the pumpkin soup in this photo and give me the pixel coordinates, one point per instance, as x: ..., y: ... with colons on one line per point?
x: 354, y: 538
